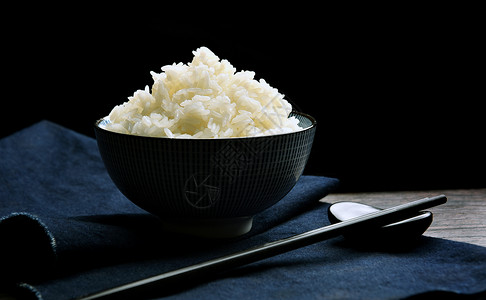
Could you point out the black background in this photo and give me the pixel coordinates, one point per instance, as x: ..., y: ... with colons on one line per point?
x: 397, y: 92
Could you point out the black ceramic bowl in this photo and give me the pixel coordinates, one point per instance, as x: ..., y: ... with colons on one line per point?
x: 206, y: 187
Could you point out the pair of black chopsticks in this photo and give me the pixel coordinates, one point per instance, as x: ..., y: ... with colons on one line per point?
x: 160, y: 284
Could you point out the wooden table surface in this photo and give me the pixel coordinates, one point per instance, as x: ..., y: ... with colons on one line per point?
x: 462, y: 218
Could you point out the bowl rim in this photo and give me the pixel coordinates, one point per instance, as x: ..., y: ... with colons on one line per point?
x: 312, y: 119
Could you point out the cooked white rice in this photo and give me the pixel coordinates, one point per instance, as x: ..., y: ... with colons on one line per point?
x: 206, y: 98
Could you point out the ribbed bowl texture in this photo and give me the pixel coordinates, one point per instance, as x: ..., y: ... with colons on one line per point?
x: 222, y: 178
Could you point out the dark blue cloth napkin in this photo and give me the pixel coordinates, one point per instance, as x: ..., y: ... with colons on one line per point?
x: 66, y: 231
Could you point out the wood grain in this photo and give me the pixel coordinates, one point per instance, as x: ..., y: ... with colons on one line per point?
x: 462, y: 218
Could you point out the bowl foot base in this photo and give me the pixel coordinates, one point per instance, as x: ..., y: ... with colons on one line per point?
x: 210, y: 228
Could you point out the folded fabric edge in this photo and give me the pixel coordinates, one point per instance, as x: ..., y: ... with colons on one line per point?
x: 316, y: 187
x: 28, y: 247
x: 442, y: 294
x: 22, y: 291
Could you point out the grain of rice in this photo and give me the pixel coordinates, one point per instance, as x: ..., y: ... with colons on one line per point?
x: 206, y: 98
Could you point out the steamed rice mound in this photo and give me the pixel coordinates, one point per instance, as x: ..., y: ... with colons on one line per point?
x: 206, y: 98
